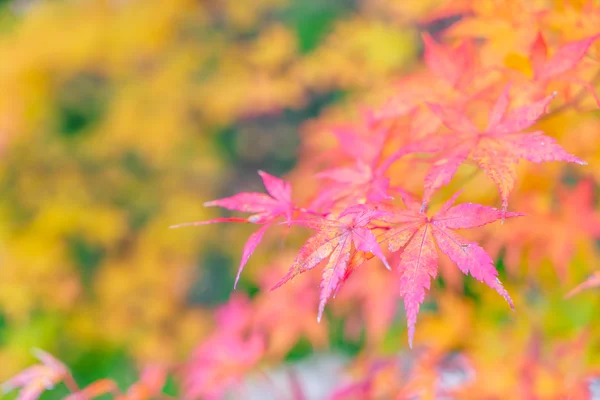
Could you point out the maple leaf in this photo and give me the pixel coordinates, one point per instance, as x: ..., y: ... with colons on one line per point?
x: 453, y: 65
x: 362, y: 181
x: 363, y: 142
x: 366, y: 180
x: 370, y: 289
x: 497, y: 149
x: 220, y: 362
x: 287, y: 314
x: 38, y: 378
x: 564, y: 60
x: 418, y: 237
x: 412, y: 92
x: 266, y: 208
x: 503, y: 29
x: 336, y: 240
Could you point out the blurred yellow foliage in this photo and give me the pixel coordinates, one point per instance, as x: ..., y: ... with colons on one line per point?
x: 109, y: 118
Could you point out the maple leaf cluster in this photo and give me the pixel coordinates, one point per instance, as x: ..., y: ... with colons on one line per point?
x: 385, y: 223
x: 353, y: 211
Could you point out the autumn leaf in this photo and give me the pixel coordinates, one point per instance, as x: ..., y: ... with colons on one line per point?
x: 497, y: 149
x: 288, y: 314
x: 456, y: 65
x: 219, y: 364
x: 266, y: 208
x: 560, y: 66
x: 221, y: 361
x: 563, y: 60
x: 418, y: 237
x: 370, y: 289
x: 34, y: 380
x: 362, y: 181
x: 362, y: 141
x: 366, y: 182
x: 336, y: 240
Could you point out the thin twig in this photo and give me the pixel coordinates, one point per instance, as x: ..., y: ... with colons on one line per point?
x: 71, y: 384
x: 583, y: 93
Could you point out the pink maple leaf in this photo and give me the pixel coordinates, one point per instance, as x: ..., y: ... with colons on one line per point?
x: 453, y: 65
x: 496, y: 149
x: 336, y: 240
x: 366, y: 180
x: 220, y: 362
x: 266, y: 208
x: 363, y: 142
x: 34, y: 380
x: 362, y: 180
x: 563, y: 61
x: 418, y: 237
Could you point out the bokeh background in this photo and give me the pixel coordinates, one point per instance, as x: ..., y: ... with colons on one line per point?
x: 119, y: 118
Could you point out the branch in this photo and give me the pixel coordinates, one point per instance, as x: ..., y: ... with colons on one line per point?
x: 579, y: 97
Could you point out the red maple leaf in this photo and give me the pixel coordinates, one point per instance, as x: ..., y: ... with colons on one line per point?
x: 498, y: 148
x: 266, y: 208
x: 337, y: 240
x: 418, y: 237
